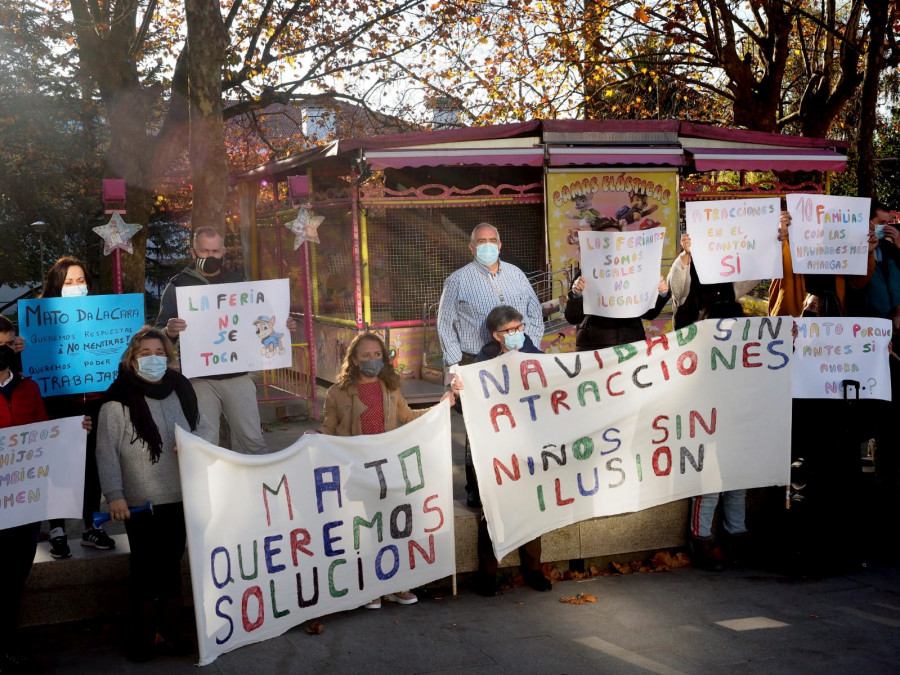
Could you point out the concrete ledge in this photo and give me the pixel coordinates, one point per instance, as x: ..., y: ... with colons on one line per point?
x: 93, y: 584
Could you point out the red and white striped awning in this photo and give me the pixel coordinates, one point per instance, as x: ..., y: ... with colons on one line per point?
x: 767, y: 159
x: 416, y: 157
x: 603, y: 156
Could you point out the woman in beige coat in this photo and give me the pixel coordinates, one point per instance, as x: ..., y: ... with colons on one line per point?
x: 366, y: 400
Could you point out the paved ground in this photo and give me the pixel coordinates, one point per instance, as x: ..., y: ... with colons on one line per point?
x: 683, y: 621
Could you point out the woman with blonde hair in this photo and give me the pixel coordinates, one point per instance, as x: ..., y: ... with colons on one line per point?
x: 366, y: 400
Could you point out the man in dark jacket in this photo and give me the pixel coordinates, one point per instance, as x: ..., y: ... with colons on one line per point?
x: 234, y: 393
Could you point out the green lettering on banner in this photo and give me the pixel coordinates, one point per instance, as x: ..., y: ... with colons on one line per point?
x: 403, y: 456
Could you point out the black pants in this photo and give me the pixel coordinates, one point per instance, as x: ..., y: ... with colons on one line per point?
x: 17, y: 547
x: 157, y: 542
x: 91, y: 501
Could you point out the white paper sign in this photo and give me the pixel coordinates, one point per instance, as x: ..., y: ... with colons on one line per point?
x: 559, y: 438
x: 234, y: 328
x: 829, y: 351
x: 41, y: 471
x: 325, y: 525
x: 621, y: 270
x: 829, y: 235
x: 735, y: 240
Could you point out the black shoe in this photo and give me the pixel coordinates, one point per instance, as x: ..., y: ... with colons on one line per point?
x: 59, y: 547
x: 706, y: 554
x: 473, y: 499
x: 537, y: 581
x: 739, y: 548
x: 486, y: 584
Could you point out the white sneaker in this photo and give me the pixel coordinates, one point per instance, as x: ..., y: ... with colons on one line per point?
x: 375, y: 604
x: 403, y: 597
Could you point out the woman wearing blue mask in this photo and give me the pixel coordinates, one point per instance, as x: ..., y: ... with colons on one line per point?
x: 69, y: 278
x: 505, y: 324
x: 366, y: 400
x: 137, y: 462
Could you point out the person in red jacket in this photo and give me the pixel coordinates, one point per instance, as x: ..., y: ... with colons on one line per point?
x: 20, y: 403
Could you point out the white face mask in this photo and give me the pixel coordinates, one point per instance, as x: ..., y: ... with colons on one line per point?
x: 152, y: 367
x: 73, y: 291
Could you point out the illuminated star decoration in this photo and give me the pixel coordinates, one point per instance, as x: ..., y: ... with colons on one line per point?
x: 117, y: 234
x: 305, y: 227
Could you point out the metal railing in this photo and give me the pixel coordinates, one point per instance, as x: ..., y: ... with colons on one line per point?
x: 295, y: 382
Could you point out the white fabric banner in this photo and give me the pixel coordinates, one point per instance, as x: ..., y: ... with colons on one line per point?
x: 735, y: 240
x: 325, y: 525
x: 830, y: 350
x: 41, y: 471
x: 621, y: 271
x: 559, y: 438
x: 828, y: 235
x: 234, y: 328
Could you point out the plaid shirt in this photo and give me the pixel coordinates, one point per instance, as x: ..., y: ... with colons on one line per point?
x: 469, y: 294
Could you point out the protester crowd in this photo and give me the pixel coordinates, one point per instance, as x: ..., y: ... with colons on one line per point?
x: 487, y: 308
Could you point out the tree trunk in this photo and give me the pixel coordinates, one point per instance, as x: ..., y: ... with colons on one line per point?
x: 865, y: 170
x: 209, y: 165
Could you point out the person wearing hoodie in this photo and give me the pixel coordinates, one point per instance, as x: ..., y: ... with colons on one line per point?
x: 234, y: 393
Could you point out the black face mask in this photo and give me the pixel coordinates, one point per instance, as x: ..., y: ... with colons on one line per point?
x: 7, y: 357
x: 209, y: 265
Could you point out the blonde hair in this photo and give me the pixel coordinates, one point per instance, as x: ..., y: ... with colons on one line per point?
x: 129, y: 358
x: 349, y: 376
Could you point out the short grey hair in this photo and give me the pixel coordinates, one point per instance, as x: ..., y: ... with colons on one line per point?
x: 481, y: 226
x: 205, y: 231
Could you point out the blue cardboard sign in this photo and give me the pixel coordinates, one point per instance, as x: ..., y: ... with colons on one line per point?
x: 73, y: 345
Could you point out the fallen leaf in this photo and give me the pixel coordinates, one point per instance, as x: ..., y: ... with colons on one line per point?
x: 315, y: 628
x: 622, y: 568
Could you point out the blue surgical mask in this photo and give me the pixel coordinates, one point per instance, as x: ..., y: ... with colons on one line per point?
x: 73, y: 291
x: 487, y: 254
x: 879, y: 231
x: 514, y: 341
x: 371, y: 367
x: 152, y: 367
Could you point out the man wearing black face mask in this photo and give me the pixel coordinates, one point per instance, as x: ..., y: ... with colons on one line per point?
x: 234, y: 393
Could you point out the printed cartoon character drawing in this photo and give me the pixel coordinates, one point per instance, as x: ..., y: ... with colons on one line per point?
x: 265, y: 331
x: 584, y: 213
x: 639, y: 207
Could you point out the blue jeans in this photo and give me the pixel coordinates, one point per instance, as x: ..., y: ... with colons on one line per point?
x: 734, y: 508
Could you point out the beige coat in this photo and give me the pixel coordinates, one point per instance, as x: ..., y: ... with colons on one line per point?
x: 343, y: 410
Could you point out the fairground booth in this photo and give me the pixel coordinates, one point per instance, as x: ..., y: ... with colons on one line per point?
x: 395, y: 213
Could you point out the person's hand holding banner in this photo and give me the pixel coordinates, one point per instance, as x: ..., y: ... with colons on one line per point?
x: 323, y: 526
x: 734, y: 240
x: 233, y: 328
x: 621, y: 271
x: 829, y: 235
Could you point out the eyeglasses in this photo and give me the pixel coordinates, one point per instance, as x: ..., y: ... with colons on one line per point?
x: 512, y: 330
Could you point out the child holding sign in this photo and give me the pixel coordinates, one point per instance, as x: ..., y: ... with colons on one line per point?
x: 136, y: 457
x: 366, y: 400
